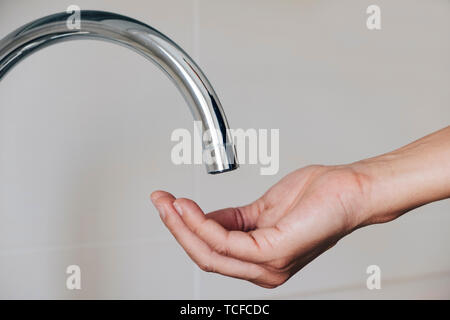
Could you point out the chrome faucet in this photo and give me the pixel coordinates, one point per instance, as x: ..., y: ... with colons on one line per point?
x: 218, y: 148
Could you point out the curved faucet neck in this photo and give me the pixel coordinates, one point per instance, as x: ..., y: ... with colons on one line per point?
x: 204, y: 104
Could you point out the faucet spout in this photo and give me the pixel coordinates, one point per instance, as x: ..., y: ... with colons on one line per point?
x: 219, y: 153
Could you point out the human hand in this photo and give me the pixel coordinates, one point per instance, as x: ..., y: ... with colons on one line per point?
x: 308, y: 211
x: 269, y: 240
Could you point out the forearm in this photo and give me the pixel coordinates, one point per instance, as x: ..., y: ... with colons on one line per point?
x: 406, y: 178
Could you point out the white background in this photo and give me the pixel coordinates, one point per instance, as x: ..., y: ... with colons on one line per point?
x: 85, y: 137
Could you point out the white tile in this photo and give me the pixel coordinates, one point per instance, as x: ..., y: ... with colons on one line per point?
x: 129, y: 271
x: 431, y: 286
x: 338, y: 94
x: 85, y: 137
x: 85, y: 134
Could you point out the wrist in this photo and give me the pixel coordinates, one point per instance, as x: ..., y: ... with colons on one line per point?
x: 383, y: 189
x: 406, y: 178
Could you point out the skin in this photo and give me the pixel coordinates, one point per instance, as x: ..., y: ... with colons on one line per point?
x: 308, y: 211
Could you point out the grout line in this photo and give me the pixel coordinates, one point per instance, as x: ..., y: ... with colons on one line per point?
x: 86, y: 245
x: 197, y: 282
x: 355, y: 286
x: 196, y: 30
x: 196, y: 180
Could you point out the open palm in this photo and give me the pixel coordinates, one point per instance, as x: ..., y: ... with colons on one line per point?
x: 269, y: 240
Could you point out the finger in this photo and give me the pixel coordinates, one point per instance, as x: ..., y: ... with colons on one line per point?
x: 199, y: 251
x: 229, y: 218
x: 248, y: 246
x: 240, y: 218
x: 159, y: 194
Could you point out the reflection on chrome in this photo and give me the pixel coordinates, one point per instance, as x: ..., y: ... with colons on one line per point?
x: 187, y: 76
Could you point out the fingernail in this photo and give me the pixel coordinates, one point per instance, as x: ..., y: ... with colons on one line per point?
x: 162, y: 212
x: 178, y: 208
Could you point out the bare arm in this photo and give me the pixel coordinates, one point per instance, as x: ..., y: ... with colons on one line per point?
x: 308, y: 211
x: 409, y: 177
